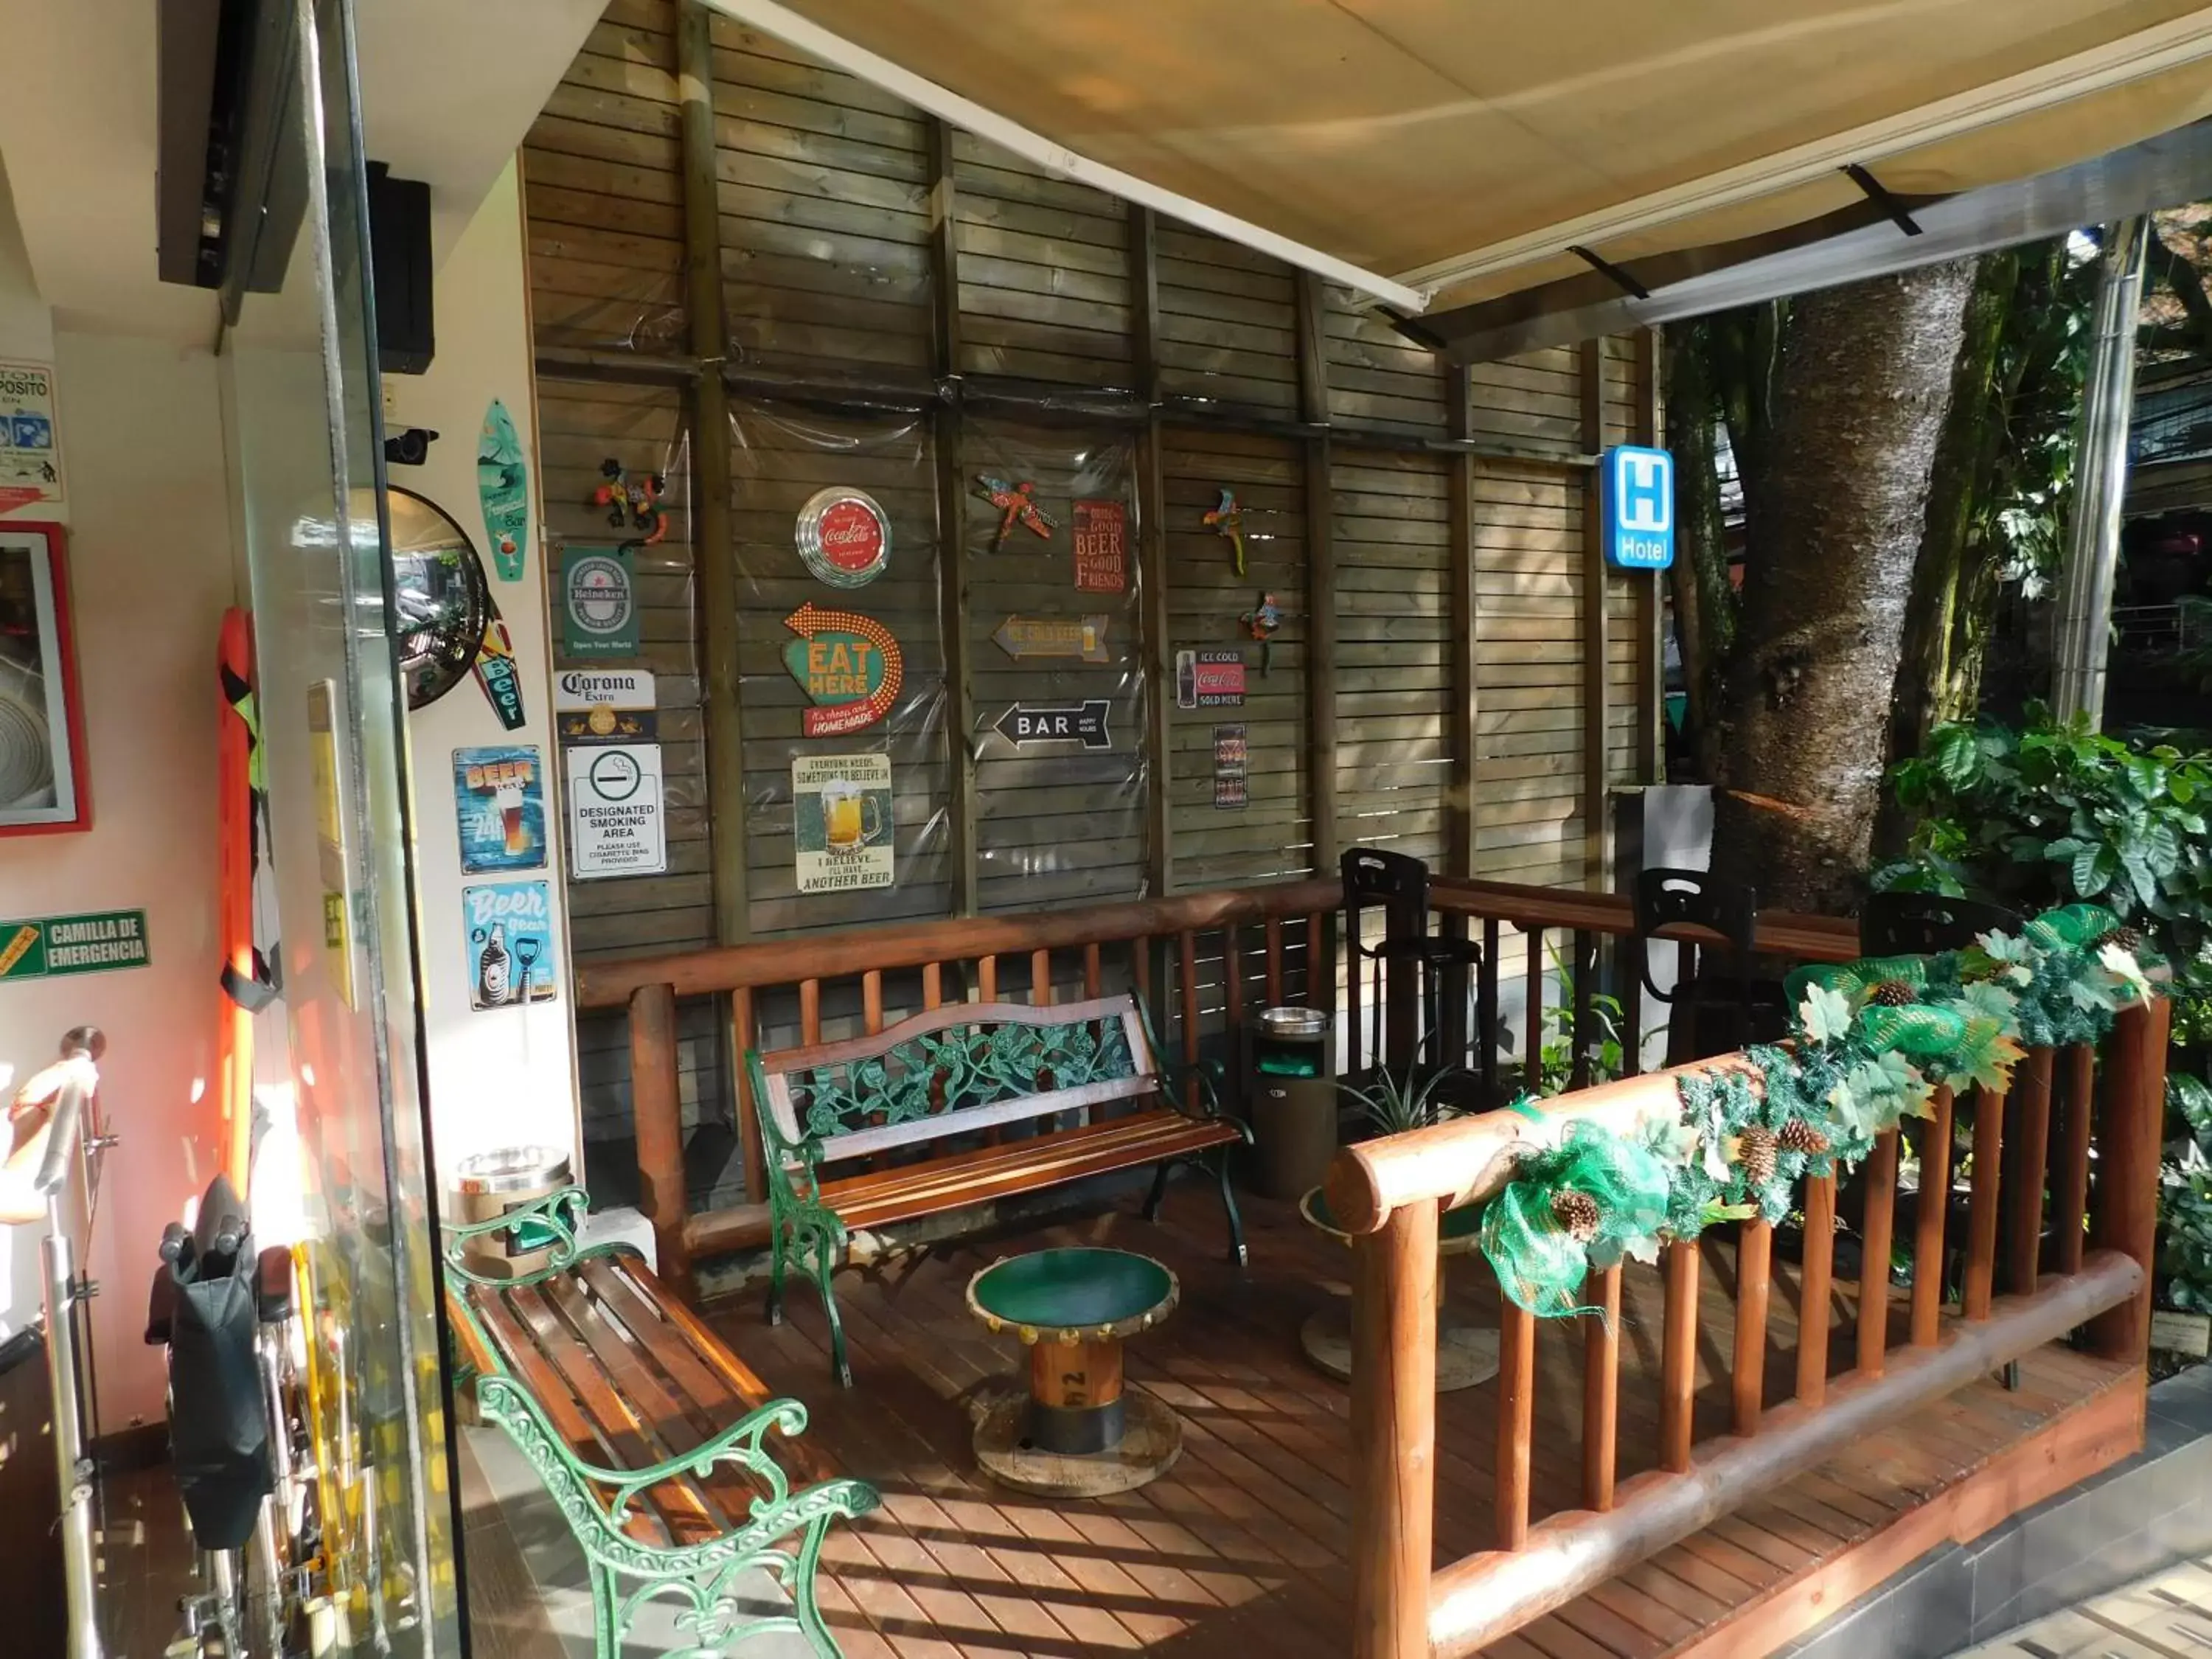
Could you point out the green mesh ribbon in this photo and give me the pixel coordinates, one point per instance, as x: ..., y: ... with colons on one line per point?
x: 1917, y: 1032
x: 1539, y: 1263
x: 1855, y: 979
x: 2070, y: 927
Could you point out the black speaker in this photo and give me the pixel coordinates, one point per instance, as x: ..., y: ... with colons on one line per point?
x: 399, y: 266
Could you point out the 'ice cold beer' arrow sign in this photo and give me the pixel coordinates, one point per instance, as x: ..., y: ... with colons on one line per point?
x: 1085, y: 724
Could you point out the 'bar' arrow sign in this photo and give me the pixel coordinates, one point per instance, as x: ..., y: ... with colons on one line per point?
x: 1085, y: 724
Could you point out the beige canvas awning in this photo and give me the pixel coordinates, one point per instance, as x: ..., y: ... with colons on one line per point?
x: 1445, y: 152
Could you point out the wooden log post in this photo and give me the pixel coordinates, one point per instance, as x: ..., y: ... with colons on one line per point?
x: 1816, y: 1289
x: 1600, y: 1387
x: 2026, y: 1166
x: 1931, y: 1208
x: 2124, y: 1216
x: 1394, y: 1433
x: 1677, y: 1358
x: 1977, y: 1283
x: 1517, y: 1421
x: 2070, y: 1189
x: 657, y: 1104
x: 1755, y: 1276
x: 1876, y: 1229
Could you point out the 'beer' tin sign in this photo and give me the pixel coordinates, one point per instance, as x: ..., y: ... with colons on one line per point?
x: 844, y: 537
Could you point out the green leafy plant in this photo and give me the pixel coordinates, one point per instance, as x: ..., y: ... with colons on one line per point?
x: 1393, y: 1106
x: 1555, y: 1053
x: 2055, y: 812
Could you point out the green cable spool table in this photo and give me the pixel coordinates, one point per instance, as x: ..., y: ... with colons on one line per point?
x: 1077, y: 1432
x: 1466, y: 1354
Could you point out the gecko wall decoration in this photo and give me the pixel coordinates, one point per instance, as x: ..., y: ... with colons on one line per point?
x: 1227, y: 521
x: 1016, y: 504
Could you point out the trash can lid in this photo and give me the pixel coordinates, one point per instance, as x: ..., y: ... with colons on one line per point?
x: 512, y: 1170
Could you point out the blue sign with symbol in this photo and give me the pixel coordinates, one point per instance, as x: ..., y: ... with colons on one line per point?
x: 1637, y: 491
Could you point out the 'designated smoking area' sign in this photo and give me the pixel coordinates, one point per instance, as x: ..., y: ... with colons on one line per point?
x: 45, y: 947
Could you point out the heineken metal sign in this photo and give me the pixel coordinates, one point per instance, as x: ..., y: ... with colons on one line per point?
x: 599, y: 612
x: 47, y: 947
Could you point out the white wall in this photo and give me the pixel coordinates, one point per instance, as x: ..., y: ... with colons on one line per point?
x: 150, y: 573
x: 503, y: 1077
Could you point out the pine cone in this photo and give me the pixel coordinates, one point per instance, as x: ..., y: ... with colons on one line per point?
x: 1578, y: 1213
x: 1755, y: 1149
x: 1799, y: 1136
x: 2126, y: 938
x: 1895, y: 993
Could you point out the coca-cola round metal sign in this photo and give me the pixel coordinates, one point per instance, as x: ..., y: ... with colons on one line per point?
x: 844, y: 537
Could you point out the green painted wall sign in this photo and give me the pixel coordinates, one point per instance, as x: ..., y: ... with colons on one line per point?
x: 45, y: 947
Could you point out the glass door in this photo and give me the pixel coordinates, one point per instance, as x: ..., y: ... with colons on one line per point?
x: 300, y: 380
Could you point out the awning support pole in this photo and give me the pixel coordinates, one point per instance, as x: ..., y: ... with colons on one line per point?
x: 2093, y: 532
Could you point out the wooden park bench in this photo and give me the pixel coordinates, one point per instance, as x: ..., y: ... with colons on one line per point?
x: 966, y: 1073
x: 652, y: 1437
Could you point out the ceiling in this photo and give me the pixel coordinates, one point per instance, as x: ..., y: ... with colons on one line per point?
x: 447, y: 92
x: 1459, y: 150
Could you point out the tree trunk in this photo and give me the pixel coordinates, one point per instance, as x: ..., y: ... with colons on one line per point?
x: 1698, y: 581
x: 1957, y: 494
x: 1859, y: 403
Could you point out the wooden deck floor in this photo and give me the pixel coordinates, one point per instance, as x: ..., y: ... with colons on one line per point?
x: 1240, y: 1549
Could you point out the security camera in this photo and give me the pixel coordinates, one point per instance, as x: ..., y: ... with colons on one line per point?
x: 408, y: 448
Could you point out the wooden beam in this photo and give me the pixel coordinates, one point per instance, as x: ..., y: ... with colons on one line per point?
x: 1596, y: 811
x: 714, y: 552
x: 1321, y: 655
x: 1466, y: 621
x: 943, y: 254
x: 1678, y: 1355
x: 1516, y: 1422
x: 1650, y: 607
x: 1313, y: 351
x: 952, y: 516
x: 1394, y: 1435
x: 656, y: 1105
x: 1154, y: 621
x: 1476, y: 1599
x: 1145, y: 301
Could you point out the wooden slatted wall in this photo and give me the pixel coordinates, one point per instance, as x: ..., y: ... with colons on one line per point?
x: 1394, y: 682
x: 783, y: 455
x: 1044, y: 273
x: 1271, y: 837
x: 821, y: 181
x: 824, y: 190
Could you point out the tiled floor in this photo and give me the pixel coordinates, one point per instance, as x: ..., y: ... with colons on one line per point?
x: 2166, y: 1616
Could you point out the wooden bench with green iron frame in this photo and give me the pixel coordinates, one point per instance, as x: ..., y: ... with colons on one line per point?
x: 652, y: 1437
x: 962, y: 1073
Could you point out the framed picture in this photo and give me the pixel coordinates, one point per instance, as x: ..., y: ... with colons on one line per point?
x: 44, y: 785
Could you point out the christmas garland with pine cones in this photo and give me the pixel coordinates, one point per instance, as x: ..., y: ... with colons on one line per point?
x: 1870, y: 1043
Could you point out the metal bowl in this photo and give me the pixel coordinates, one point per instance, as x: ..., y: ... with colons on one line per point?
x: 1291, y: 1025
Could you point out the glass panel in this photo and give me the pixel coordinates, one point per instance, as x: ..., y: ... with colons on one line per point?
x: 309, y: 450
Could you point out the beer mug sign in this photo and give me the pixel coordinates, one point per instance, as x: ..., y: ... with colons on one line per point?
x: 841, y: 813
x: 850, y: 817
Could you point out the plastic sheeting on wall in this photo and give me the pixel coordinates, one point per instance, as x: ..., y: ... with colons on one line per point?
x: 852, y: 668
x: 1056, y: 665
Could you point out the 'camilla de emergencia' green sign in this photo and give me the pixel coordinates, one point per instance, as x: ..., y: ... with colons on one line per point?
x: 47, y: 947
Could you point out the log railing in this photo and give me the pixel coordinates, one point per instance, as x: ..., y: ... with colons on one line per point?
x: 1197, y: 959
x: 2016, y: 1293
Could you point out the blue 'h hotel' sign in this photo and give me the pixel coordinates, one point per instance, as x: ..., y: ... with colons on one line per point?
x: 1637, y: 493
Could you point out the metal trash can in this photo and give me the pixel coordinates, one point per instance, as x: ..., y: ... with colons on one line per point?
x: 1294, y: 1101
x: 489, y: 1184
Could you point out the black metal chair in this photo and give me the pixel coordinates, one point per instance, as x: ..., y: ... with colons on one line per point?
x: 1922, y: 924
x: 1719, y: 1006
x: 1398, y: 884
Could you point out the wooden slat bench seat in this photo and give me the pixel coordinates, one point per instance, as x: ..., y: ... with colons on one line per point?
x: 653, y: 1438
x: 1083, y: 1082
